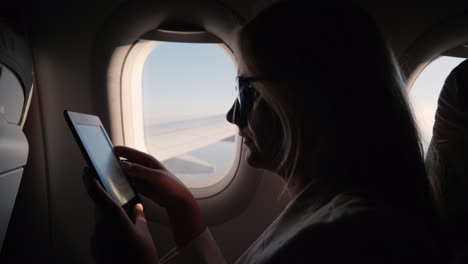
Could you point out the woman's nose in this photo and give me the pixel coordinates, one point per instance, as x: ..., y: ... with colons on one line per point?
x: 233, y: 115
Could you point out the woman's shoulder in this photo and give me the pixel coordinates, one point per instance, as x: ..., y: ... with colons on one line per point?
x: 347, y: 228
x: 351, y: 226
x: 355, y: 215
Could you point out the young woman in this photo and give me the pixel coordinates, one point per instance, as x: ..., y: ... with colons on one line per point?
x: 321, y: 104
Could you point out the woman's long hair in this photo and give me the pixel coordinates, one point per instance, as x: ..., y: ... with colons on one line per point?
x: 341, y: 102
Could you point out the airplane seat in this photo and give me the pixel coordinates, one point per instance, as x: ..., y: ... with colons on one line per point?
x: 16, y: 78
x: 447, y: 164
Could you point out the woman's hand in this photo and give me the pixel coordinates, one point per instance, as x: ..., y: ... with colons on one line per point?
x: 152, y: 179
x: 118, y: 239
x: 156, y: 182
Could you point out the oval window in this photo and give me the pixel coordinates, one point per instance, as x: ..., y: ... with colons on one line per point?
x: 187, y: 88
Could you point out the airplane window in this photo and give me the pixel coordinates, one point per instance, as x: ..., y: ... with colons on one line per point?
x: 425, y: 93
x: 187, y: 88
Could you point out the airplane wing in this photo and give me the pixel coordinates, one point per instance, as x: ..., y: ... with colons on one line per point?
x: 170, y: 140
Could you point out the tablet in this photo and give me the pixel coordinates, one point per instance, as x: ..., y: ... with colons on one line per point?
x: 99, y: 153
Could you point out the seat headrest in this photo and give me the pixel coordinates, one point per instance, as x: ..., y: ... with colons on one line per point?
x: 16, y: 54
x: 16, y: 74
x: 451, y: 120
x: 447, y: 156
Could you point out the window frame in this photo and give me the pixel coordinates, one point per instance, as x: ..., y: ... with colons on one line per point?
x: 131, y: 99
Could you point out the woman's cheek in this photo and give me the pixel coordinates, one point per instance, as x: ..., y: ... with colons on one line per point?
x: 263, y: 126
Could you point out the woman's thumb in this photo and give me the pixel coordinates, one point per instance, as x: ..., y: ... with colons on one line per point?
x: 137, y: 171
x: 139, y: 215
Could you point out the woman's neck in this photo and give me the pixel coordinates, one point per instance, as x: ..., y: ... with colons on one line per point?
x: 305, y: 176
x: 294, y: 183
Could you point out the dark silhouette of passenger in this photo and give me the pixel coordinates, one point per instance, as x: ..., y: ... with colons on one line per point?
x: 322, y: 105
x: 447, y: 160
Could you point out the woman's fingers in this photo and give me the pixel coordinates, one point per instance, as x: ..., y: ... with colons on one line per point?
x: 146, y: 174
x: 139, y: 157
x: 139, y: 216
x: 138, y: 171
x: 118, y: 239
x: 144, y: 188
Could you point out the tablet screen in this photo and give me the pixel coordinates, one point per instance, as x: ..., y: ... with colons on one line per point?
x: 107, y: 165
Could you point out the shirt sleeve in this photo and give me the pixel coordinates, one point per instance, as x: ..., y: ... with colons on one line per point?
x: 201, y: 250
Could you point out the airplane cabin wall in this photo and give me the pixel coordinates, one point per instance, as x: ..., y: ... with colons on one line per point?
x: 29, y: 235
x: 62, y: 36
x: 403, y: 22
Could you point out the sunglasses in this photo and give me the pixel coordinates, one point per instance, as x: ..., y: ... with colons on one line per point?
x: 246, y: 94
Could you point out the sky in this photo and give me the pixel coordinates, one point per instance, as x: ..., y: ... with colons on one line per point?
x: 184, y: 81
x: 426, y: 90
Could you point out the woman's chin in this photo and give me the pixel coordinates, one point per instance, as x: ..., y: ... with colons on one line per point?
x: 252, y: 159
